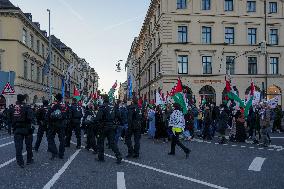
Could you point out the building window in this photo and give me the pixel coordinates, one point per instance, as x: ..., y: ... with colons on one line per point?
x: 25, y: 36
x: 273, y: 37
x: 252, y: 65
x: 229, y: 35
x: 252, y: 36
x: 42, y: 50
x: 32, y: 42
x: 206, y: 5
x: 274, y: 65
x: 182, y: 64
x: 25, y: 69
x: 181, y: 4
x: 251, y: 6
x: 37, y: 46
x: 182, y: 34
x: 206, y: 34
x: 155, y: 70
x: 207, y: 64
x: 38, y: 74
x: 229, y: 5
x: 272, y: 7
x: 32, y: 71
x: 230, y: 65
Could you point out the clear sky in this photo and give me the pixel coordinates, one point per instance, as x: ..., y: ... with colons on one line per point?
x: 100, y: 31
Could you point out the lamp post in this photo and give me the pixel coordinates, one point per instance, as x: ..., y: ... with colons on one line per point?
x: 266, y: 55
x: 50, y: 58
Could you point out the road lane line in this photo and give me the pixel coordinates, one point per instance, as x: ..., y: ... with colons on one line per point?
x: 277, y: 137
x: 61, y: 171
x: 120, y: 180
x: 6, y: 144
x: 10, y: 161
x: 6, y: 138
x: 256, y: 164
x: 165, y: 172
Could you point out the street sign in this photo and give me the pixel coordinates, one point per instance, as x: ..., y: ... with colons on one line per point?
x: 8, y: 90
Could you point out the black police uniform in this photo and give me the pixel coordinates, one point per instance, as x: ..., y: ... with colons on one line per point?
x: 90, y: 122
x: 106, y: 118
x: 75, y: 121
x: 134, y: 128
x: 57, y: 116
x: 43, y: 124
x: 22, y: 125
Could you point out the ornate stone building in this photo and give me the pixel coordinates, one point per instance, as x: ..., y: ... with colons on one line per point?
x: 201, y: 41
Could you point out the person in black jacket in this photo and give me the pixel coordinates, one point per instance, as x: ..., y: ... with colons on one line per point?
x: 134, y: 128
x: 42, y: 123
x: 22, y: 117
x: 107, y: 118
x: 76, y: 113
x: 58, y: 117
x: 90, y: 122
x: 123, y: 122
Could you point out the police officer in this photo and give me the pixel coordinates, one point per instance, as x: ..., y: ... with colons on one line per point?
x: 22, y: 117
x: 107, y: 117
x: 76, y: 113
x: 134, y: 128
x: 42, y: 122
x: 57, y: 116
x: 89, y: 120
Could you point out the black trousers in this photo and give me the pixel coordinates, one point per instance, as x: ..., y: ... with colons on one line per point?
x: 108, y: 133
x: 51, y: 143
x: 91, y: 138
x: 74, y: 125
x: 18, y: 140
x: 41, y: 130
x: 136, y: 132
x: 176, y: 141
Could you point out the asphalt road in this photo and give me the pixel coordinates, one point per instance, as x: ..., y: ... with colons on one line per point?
x: 210, y: 165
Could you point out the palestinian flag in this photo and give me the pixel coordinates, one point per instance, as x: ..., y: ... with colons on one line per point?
x: 250, y: 99
x: 76, y: 93
x: 232, y: 95
x: 178, y: 96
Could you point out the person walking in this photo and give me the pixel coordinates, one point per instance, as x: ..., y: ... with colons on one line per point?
x: 58, y: 117
x: 265, y: 124
x: 152, y: 122
x: 22, y: 118
x: 134, y: 128
x: 107, y: 117
x: 177, y: 123
x: 76, y: 113
x: 41, y: 115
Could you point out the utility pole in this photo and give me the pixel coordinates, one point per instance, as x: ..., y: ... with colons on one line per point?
x: 266, y: 54
x: 50, y: 59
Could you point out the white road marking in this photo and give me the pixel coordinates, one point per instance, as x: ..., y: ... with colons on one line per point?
x: 6, y: 138
x: 234, y: 145
x: 166, y: 172
x: 277, y: 137
x: 256, y: 164
x: 251, y: 147
x: 6, y: 144
x: 260, y: 148
x: 61, y: 171
x: 243, y: 146
x: 270, y: 149
x: 10, y: 161
x: 120, y: 180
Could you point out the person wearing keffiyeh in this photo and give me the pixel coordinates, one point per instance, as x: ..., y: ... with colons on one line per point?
x: 177, y: 123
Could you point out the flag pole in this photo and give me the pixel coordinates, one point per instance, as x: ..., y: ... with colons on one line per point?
x: 50, y: 59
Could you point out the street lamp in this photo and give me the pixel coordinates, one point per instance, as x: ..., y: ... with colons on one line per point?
x: 118, y: 66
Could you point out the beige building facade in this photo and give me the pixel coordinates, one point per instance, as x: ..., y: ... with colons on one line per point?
x: 202, y: 41
x: 24, y: 50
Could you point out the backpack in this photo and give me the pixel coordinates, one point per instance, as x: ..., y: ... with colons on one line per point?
x: 108, y: 114
x: 77, y: 112
x: 19, y: 114
x: 56, y: 114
